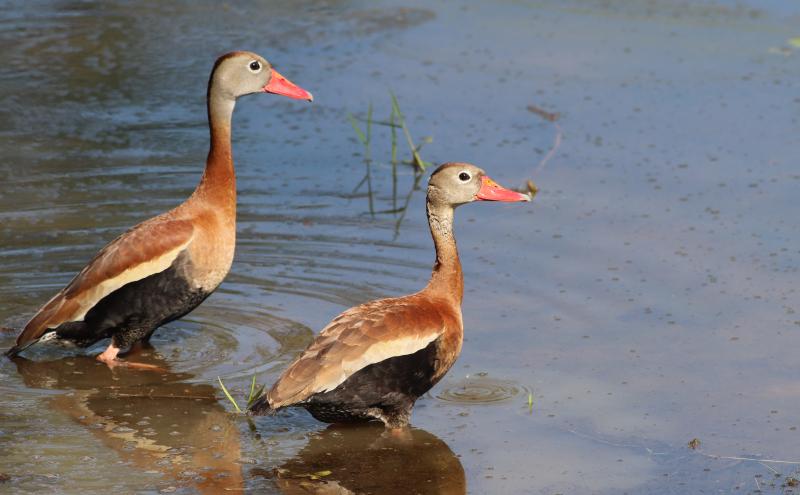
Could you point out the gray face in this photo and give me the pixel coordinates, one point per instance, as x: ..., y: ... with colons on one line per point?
x: 241, y: 73
x: 455, y: 184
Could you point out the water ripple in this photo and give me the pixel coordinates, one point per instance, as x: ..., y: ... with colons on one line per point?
x: 480, y: 389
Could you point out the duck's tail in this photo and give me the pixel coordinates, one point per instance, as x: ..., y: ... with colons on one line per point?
x: 15, y: 349
x: 18, y: 347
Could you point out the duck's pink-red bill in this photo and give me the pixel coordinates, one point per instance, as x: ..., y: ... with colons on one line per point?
x: 492, y: 191
x: 279, y: 85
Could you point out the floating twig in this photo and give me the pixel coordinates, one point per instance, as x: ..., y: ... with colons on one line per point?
x: 553, y: 149
x: 548, y: 116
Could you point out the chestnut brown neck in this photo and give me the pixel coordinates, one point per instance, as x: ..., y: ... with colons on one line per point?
x: 447, y: 279
x: 218, y: 184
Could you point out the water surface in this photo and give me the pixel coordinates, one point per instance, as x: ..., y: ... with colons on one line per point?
x: 647, y: 297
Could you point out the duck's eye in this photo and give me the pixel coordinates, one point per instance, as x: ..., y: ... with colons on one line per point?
x: 255, y: 66
x: 464, y: 177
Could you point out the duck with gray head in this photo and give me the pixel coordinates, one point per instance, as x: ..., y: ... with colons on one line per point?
x: 373, y: 361
x: 164, y: 267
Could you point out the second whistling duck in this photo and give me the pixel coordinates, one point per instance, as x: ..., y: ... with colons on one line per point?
x: 373, y: 361
x: 164, y: 267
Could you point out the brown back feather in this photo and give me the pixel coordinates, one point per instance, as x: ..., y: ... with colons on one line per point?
x: 145, y: 242
x: 362, y: 336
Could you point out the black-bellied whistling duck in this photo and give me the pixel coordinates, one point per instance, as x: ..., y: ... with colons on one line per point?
x: 373, y: 361
x: 166, y: 266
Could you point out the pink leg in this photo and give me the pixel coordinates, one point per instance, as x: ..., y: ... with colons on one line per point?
x: 109, y: 356
x: 402, y: 434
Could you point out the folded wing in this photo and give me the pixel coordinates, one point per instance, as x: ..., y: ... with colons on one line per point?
x: 146, y: 249
x: 357, y: 338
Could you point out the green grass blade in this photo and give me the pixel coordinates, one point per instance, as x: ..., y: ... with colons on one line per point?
x: 394, y: 159
x: 252, y: 389
x: 418, y: 161
x: 255, y: 396
x: 404, y: 209
x: 368, y: 160
x: 354, y: 123
x: 383, y: 123
x: 361, y: 183
x: 369, y: 123
x: 228, y: 395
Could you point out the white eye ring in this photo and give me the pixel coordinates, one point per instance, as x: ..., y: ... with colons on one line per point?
x: 255, y: 66
x: 464, y: 177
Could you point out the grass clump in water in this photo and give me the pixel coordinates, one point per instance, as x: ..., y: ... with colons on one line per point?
x: 251, y: 397
x: 396, y: 123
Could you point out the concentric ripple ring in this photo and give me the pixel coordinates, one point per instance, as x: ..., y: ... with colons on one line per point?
x: 480, y: 389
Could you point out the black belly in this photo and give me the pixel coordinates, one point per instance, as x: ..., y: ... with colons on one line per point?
x: 386, y: 390
x: 132, y: 312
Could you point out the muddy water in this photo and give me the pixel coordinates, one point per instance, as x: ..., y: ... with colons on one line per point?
x: 647, y: 297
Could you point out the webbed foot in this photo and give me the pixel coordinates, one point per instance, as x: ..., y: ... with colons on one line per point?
x: 109, y: 357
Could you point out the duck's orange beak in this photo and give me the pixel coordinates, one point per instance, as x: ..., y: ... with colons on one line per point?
x: 279, y: 85
x: 492, y: 191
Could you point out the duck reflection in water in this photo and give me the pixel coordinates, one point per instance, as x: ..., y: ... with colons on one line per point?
x: 164, y: 425
x: 367, y: 458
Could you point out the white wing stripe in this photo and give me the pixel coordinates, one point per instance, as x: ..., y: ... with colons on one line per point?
x: 376, y: 353
x: 89, y: 298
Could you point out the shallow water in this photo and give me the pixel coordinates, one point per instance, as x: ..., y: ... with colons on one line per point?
x: 648, y: 296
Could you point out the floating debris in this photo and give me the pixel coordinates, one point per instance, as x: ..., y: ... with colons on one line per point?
x: 548, y: 116
x: 532, y: 188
